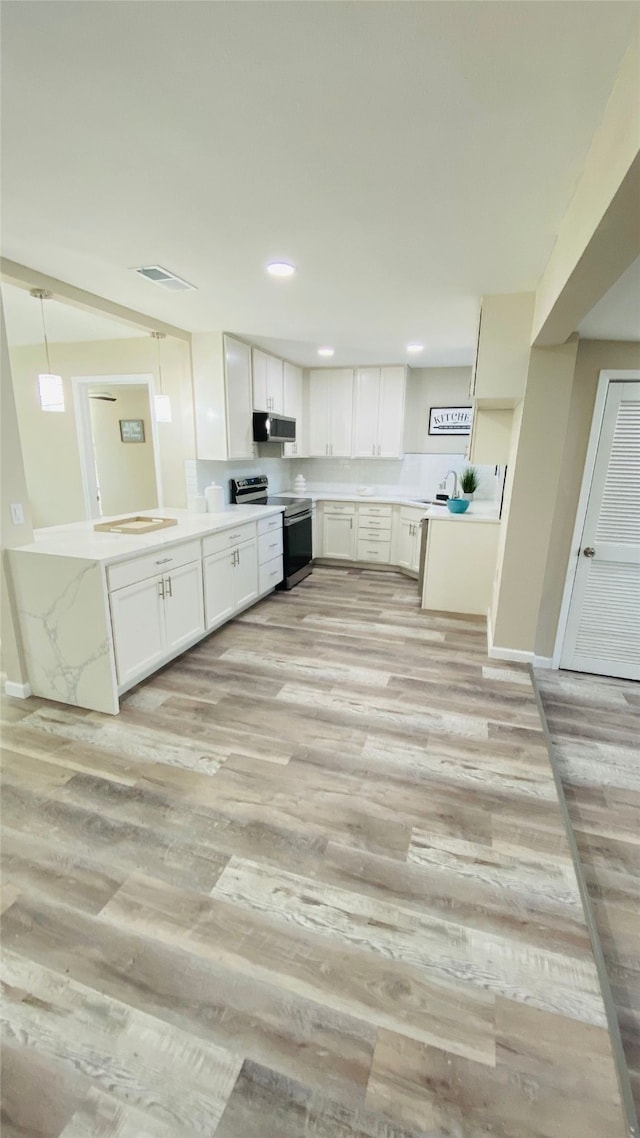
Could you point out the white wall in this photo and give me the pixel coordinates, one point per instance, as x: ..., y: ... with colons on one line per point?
x: 49, y: 440
x: 278, y: 471
x: 434, y: 387
x: 126, y: 471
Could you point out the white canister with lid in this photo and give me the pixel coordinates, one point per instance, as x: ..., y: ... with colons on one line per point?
x: 214, y: 495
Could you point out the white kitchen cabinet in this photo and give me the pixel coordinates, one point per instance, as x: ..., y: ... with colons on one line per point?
x: 153, y: 618
x: 330, y: 412
x: 137, y: 622
x: 267, y: 382
x: 219, y: 591
x: 223, y: 396
x: 378, y: 423
x: 339, y: 533
x: 183, y: 606
x: 501, y: 365
x: 407, y: 535
x: 294, y: 409
x: 460, y: 565
x: 231, y: 579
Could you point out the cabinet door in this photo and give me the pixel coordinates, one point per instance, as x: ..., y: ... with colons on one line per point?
x: 137, y: 620
x: 246, y: 574
x: 183, y: 605
x: 405, y: 539
x: 365, y: 424
x: 260, y: 386
x: 292, y: 386
x: 237, y: 358
x: 339, y: 536
x: 417, y: 541
x: 219, y: 596
x: 391, y: 413
x: 341, y: 413
x: 319, y: 421
x: 274, y: 385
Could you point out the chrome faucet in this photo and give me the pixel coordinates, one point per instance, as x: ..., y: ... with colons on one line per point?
x: 443, y: 484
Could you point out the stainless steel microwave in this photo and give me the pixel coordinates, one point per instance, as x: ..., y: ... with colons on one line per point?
x: 270, y: 428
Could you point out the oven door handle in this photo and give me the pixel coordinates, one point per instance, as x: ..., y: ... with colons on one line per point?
x: 297, y: 518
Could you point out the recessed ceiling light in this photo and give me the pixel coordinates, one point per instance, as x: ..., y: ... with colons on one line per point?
x: 326, y: 351
x: 415, y: 348
x: 280, y: 269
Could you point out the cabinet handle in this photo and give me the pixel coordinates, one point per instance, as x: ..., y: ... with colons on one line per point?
x: 164, y: 560
x: 373, y: 449
x: 350, y: 523
x: 274, y: 546
x: 161, y: 588
x: 169, y: 589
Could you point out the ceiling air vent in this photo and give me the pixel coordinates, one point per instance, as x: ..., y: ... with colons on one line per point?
x: 164, y: 278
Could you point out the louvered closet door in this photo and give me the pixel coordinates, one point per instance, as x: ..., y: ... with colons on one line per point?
x: 603, y: 630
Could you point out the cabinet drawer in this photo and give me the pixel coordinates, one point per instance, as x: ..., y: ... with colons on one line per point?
x: 270, y: 574
x: 269, y: 546
x: 375, y: 512
x: 382, y: 525
x: 161, y: 561
x: 339, y: 508
x: 374, y: 551
x: 377, y: 535
x: 228, y: 539
x: 270, y: 525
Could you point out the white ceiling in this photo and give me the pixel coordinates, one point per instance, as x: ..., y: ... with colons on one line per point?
x: 407, y: 157
x: 617, y: 315
x: 65, y: 324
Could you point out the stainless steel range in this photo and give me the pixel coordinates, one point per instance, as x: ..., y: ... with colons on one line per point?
x: 296, y: 522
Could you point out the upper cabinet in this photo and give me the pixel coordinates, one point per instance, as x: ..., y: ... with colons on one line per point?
x: 379, y: 412
x: 504, y: 343
x: 223, y: 396
x: 268, y: 392
x: 293, y: 409
x: 330, y: 412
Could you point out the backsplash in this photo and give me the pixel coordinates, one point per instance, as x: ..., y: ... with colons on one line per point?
x: 200, y: 474
x: 416, y: 475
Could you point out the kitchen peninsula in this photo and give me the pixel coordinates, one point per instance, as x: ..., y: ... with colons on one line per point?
x: 99, y: 612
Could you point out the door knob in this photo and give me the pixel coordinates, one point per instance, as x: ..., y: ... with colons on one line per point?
x: 589, y: 551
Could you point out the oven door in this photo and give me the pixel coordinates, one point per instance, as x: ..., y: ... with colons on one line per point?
x: 297, y: 548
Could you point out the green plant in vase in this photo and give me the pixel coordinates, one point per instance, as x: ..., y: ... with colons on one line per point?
x: 469, y: 480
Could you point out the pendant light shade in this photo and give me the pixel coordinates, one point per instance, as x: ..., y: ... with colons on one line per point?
x: 162, y: 401
x: 50, y: 386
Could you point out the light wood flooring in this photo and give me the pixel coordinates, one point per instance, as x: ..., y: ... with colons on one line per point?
x: 595, y: 729
x: 313, y: 882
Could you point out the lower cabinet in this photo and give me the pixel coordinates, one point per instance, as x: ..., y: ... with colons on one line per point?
x: 153, y: 618
x: 460, y: 566
x: 338, y: 533
x: 230, y: 582
x: 406, y: 538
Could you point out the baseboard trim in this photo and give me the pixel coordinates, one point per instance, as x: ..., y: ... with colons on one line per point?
x: 18, y: 691
x: 513, y: 655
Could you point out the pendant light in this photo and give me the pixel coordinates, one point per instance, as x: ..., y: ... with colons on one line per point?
x: 50, y: 387
x: 162, y: 401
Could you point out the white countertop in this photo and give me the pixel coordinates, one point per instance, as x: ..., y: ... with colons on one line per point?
x: 79, y: 539
x: 482, y: 510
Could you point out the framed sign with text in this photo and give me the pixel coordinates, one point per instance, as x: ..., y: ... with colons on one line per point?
x: 132, y: 430
x: 450, y: 420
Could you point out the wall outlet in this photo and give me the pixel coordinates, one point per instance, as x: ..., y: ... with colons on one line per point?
x: 17, y: 514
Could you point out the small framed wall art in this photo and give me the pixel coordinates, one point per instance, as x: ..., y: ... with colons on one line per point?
x: 450, y: 420
x: 132, y: 430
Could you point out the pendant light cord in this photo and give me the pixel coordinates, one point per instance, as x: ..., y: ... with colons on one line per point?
x: 44, y: 330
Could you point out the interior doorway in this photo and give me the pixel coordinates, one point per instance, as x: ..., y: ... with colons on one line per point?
x: 600, y: 632
x: 118, y: 444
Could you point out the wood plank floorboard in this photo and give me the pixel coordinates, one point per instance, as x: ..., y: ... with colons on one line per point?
x: 595, y: 728
x: 312, y: 881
